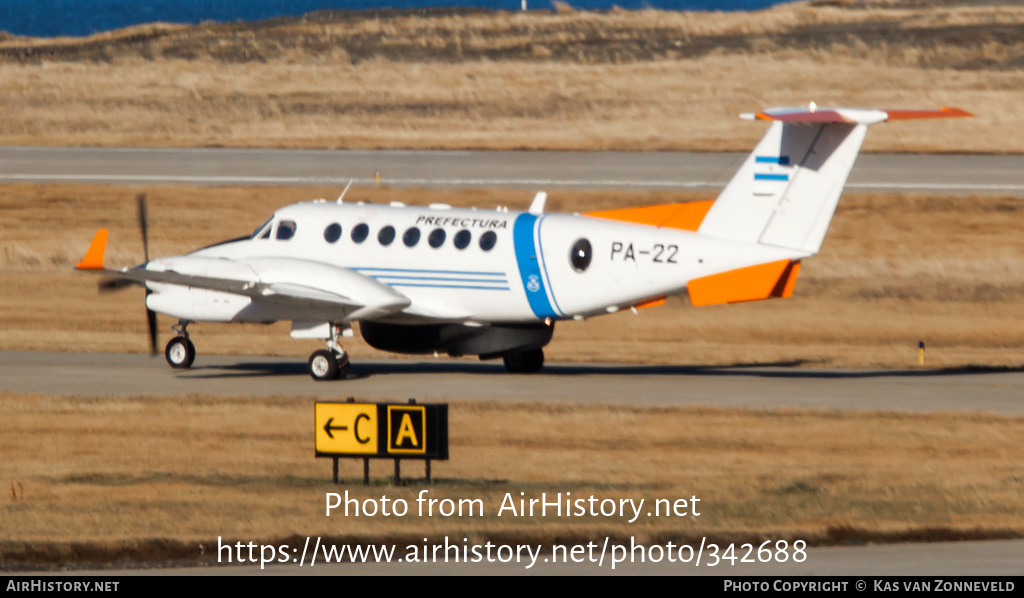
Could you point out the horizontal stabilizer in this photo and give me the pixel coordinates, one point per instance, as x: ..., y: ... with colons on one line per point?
x: 850, y: 116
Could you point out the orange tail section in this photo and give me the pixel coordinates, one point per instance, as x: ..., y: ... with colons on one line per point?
x: 764, y: 281
x: 685, y: 216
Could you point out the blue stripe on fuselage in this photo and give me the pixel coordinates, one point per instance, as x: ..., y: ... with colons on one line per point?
x: 529, y: 266
x: 544, y: 263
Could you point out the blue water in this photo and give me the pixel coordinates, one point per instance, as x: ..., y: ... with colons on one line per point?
x: 48, y: 18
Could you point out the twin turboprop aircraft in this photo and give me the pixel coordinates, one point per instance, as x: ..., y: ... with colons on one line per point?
x: 493, y: 283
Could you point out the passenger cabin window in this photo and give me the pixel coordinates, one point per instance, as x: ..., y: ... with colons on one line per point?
x: 462, y: 239
x: 285, y: 230
x: 436, y: 238
x: 360, y: 232
x: 487, y: 240
x: 332, y: 233
x: 411, y: 237
x: 386, y: 235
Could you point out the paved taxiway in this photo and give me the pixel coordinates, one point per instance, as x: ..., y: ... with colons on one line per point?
x: 534, y: 169
x: 99, y: 374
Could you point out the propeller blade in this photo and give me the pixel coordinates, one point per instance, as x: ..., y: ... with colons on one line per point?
x: 151, y: 321
x: 144, y: 223
x: 144, y: 230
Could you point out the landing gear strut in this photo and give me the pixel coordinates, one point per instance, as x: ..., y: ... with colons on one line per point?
x: 180, y: 351
x: 527, y: 362
x: 331, y: 363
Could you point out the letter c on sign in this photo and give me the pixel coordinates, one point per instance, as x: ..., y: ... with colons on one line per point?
x: 356, y: 428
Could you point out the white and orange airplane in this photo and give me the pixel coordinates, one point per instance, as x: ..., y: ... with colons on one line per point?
x: 493, y: 283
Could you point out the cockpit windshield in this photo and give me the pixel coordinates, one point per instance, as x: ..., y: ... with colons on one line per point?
x: 263, y: 231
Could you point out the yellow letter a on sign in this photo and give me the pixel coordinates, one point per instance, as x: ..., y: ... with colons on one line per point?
x: 405, y: 430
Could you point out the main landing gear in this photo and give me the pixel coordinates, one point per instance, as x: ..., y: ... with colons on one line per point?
x: 180, y: 351
x: 527, y: 362
x: 325, y: 364
x: 330, y: 363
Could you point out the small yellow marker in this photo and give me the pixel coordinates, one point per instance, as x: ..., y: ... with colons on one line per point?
x: 376, y: 178
x: 920, y: 352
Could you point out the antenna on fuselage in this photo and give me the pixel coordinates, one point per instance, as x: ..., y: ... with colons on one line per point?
x: 342, y: 196
x: 537, y: 207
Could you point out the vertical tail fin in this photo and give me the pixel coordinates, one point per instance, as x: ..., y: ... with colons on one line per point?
x: 786, y: 191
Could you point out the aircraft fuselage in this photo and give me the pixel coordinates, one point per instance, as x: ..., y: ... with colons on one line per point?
x: 454, y: 265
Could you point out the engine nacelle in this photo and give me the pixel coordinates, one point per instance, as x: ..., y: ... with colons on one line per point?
x: 271, y: 289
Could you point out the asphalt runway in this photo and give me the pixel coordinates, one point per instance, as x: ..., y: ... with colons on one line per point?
x: 101, y: 374
x: 948, y: 173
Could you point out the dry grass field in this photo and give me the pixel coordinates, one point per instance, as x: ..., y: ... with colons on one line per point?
x: 102, y: 479
x: 641, y: 80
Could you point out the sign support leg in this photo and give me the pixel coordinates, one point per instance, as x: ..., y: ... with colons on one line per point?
x: 366, y: 471
x: 428, y: 472
x: 335, y: 470
x: 398, y: 472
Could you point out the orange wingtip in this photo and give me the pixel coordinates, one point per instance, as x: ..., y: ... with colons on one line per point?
x: 764, y: 281
x: 93, y: 259
x: 943, y: 112
x: 684, y: 216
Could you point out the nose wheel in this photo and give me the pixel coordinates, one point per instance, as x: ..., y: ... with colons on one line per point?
x: 180, y: 352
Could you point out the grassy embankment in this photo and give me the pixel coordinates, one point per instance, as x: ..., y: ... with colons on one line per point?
x: 644, y: 80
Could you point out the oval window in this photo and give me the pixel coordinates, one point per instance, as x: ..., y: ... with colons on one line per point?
x: 487, y: 240
x: 386, y: 235
x: 360, y: 232
x: 436, y: 238
x: 411, y: 237
x: 332, y: 233
x: 462, y: 239
x: 581, y: 255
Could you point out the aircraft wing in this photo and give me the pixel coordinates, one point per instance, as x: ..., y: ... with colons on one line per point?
x: 285, y: 282
x: 141, y: 275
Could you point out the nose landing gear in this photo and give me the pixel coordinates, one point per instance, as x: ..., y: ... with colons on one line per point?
x: 180, y: 352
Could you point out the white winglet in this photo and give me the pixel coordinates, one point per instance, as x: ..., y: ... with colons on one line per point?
x: 537, y: 207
